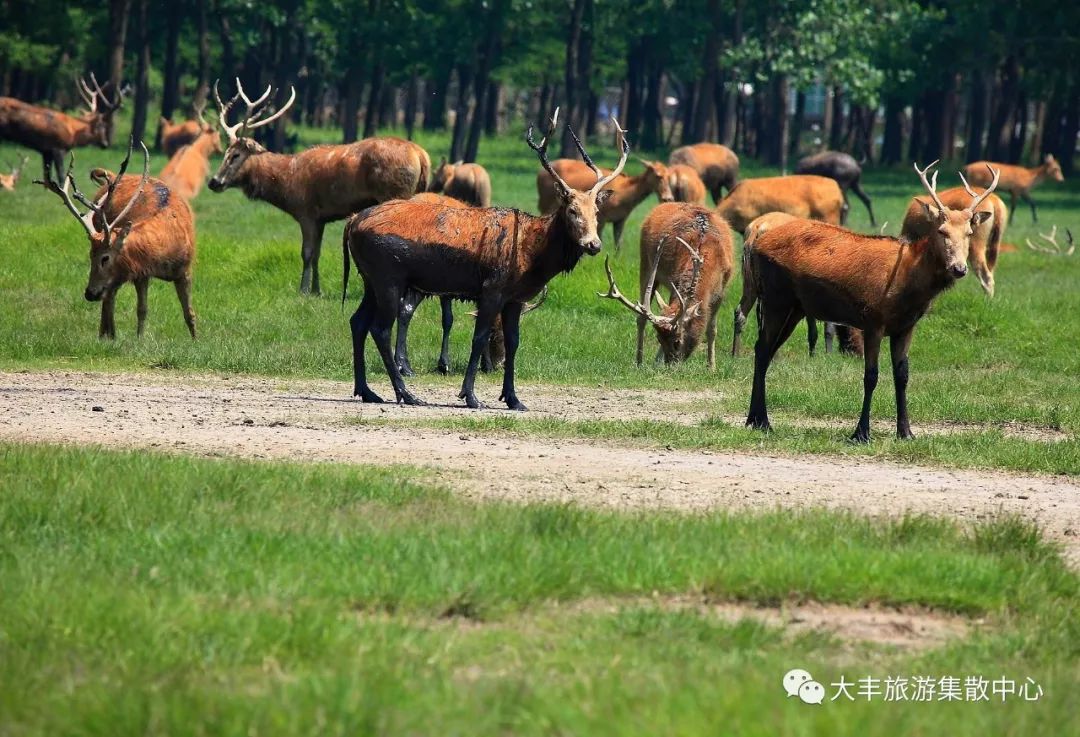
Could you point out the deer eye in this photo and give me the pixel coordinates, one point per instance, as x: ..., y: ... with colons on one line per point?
x: 105, y: 259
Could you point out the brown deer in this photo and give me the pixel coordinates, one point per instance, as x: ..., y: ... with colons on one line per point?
x: 317, y: 186
x: 849, y: 338
x: 879, y: 284
x: 188, y: 168
x: 126, y: 247
x: 8, y: 181
x: 626, y: 192
x: 498, y: 258
x: 987, y: 235
x: 1017, y: 180
x: 716, y: 165
x: 686, y: 185
x: 801, y: 195
x: 696, y: 270
x: 52, y: 133
x: 844, y: 169
x: 469, y: 183
x: 175, y: 136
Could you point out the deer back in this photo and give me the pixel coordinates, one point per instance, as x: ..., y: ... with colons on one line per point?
x: 714, y: 163
x: 804, y: 196
x: 40, y: 128
x: 705, y: 232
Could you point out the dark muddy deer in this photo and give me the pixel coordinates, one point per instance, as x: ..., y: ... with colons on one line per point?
x: 317, y: 186
x: 878, y: 284
x: 844, y: 170
x: 495, y: 257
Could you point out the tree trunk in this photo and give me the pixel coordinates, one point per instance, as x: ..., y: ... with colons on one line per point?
x: 1037, y: 134
x: 915, y: 144
x: 202, y: 87
x: 494, y: 103
x: 797, y: 124
x: 652, y: 122
x: 980, y: 111
x: 836, y: 129
x: 1019, y: 130
x: 688, y: 98
x: 776, y: 124
x: 119, y: 10
x: 572, y: 79
x: 412, y: 98
x: 703, y: 108
x: 350, y: 113
x: 893, y: 139
x: 228, y: 53
x: 378, y: 77
x: 1067, y: 142
x: 170, y: 91
x: 461, y: 116
x: 480, y: 84
x: 142, y: 76
x: 635, y: 83
x: 1000, y: 128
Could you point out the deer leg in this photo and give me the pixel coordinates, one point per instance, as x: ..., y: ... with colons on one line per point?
x: 141, y: 286
x: 409, y: 303
x: 812, y: 334
x: 749, y: 298
x: 641, y: 322
x: 311, y: 233
x: 107, y: 329
x: 898, y: 351
x: 447, y: 306
x: 617, y: 228
x: 1012, y: 206
x: 774, y: 328
x: 1027, y: 198
x: 856, y: 187
x: 360, y: 324
x: 872, y: 347
x: 844, y: 208
x: 183, y: 293
x: 387, y: 303
x: 485, y: 316
x: 57, y: 157
x: 710, y: 336
x: 830, y: 335
x: 511, y: 319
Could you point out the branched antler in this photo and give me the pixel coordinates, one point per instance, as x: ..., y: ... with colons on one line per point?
x: 251, y: 119
x: 931, y: 186
x: 1054, y: 248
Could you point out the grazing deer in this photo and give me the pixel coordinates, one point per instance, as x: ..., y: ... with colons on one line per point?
x: 52, y: 133
x: 686, y: 185
x: 317, y: 186
x: 128, y: 247
x: 495, y: 257
x: 696, y: 271
x: 844, y: 169
x: 801, y: 195
x: 8, y: 181
x: 716, y: 165
x: 469, y: 183
x: 176, y: 136
x: 987, y: 235
x: 879, y: 284
x: 188, y: 168
x: 1018, y: 180
x: 850, y: 339
x: 626, y: 192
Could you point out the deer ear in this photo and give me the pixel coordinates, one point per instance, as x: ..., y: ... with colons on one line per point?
x: 602, y: 196
x: 443, y: 162
x: 564, y: 192
x: 980, y: 217
x: 932, y: 211
x: 120, y: 239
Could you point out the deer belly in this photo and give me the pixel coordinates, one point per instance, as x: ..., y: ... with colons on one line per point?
x: 824, y: 300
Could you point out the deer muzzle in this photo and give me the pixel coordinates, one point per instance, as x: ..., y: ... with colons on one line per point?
x: 92, y: 295
x: 958, y: 271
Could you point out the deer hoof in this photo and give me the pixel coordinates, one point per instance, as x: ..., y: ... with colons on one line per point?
x: 515, y: 404
x: 405, y: 369
x: 471, y: 401
x: 860, y: 437
x: 368, y: 397
x: 904, y: 433
x: 443, y: 367
x: 409, y: 399
x: 759, y: 423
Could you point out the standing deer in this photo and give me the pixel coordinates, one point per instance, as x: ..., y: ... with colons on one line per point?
x: 317, y: 186
x: 8, y: 181
x: 716, y: 165
x: 696, y: 271
x: 987, y: 235
x: 495, y: 257
x: 52, y: 133
x: 469, y: 183
x: 879, y: 284
x: 128, y: 245
x: 686, y: 185
x: 176, y: 136
x: 626, y: 192
x: 844, y: 169
x: 1017, y: 180
x: 801, y: 195
x: 188, y: 168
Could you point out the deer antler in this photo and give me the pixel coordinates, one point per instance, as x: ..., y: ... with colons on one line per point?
x: 530, y: 306
x: 604, y: 181
x: 541, y: 149
x: 931, y: 186
x: 87, y: 220
x: 976, y: 199
x: 249, y: 121
x: 640, y: 308
x: 1055, y: 247
x: 687, y: 313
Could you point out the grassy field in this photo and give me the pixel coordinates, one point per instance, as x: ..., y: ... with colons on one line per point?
x: 144, y: 594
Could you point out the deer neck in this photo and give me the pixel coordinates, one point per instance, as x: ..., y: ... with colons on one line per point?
x: 82, y: 130
x: 554, y: 251
x: 630, y: 191
x: 265, y: 176
x: 921, y: 274
x: 204, y: 145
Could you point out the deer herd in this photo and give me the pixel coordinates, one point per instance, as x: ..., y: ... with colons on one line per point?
x: 413, y: 232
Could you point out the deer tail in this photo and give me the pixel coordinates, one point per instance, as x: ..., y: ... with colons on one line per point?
x: 994, y: 241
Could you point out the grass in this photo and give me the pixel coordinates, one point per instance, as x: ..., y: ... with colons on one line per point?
x: 975, y: 360
x: 147, y: 594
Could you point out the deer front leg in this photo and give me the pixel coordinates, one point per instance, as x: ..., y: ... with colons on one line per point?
x: 359, y: 325
x: 387, y: 302
x: 812, y: 334
x: 311, y: 232
x: 617, y: 228
x: 141, y: 286
x: 511, y: 322
x: 183, y: 293
x: 898, y: 351
x: 107, y: 329
x: 774, y: 328
x: 485, y: 316
x: 872, y: 347
x: 446, y: 304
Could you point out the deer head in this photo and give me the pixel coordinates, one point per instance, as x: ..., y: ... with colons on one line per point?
x: 100, y: 109
x: 677, y: 340
x: 241, y: 146
x: 208, y: 129
x: 107, y: 243
x: 442, y: 176
x: 1053, y: 168
x: 579, y: 210
x: 953, y: 228
x: 8, y: 181
x: 656, y: 178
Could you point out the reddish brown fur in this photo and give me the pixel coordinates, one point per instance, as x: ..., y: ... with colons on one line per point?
x: 189, y: 167
x: 801, y: 195
x: 686, y: 185
x: 985, y: 241
x: 716, y: 165
x: 50, y: 132
x: 626, y: 192
x: 176, y: 136
x: 1017, y: 180
x: 469, y: 183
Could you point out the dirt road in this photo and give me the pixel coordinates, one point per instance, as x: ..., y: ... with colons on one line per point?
x: 315, y: 421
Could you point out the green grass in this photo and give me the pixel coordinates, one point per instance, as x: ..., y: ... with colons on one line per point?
x: 1012, y: 359
x: 147, y: 594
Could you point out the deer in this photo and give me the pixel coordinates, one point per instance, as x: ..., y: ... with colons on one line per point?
x: 716, y: 165
x: 8, y: 181
x: 469, y: 183
x: 1017, y: 180
x: 127, y: 245
x: 845, y: 170
x: 627, y: 192
x: 986, y: 238
x: 188, y: 168
x: 696, y: 274
x: 879, y: 284
x: 52, y: 133
x: 850, y: 339
x: 801, y: 195
x: 498, y: 258
x: 685, y: 184
x: 319, y: 185
x: 175, y: 136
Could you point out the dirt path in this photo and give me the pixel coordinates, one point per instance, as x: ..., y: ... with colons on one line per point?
x: 314, y: 421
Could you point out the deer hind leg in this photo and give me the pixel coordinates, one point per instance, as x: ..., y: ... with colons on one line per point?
x: 486, y: 311
x: 107, y: 328
x: 511, y: 322
x: 360, y: 325
x: 446, y: 304
x: 183, y: 293
x: 617, y: 228
x: 409, y: 303
x: 898, y: 351
x: 977, y: 258
x: 872, y: 349
x: 776, y: 321
x: 1031, y: 203
x: 387, y: 303
x: 812, y: 334
x: 311, y: 233
x: 710, y: 335
x: 845, y: 208
x: 856, y: 187
x: 830, y: 336
x: 141, y: 287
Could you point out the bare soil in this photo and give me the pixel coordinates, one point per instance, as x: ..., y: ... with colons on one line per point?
x: 316, y: 421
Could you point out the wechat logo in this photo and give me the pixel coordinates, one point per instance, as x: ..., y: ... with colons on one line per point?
x: 798, y: 682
